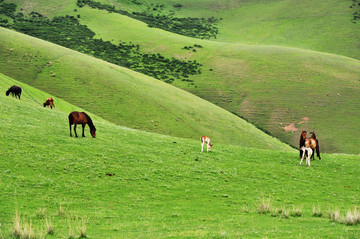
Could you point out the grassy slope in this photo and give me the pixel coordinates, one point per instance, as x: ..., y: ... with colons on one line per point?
x: 122, y: 96
x: 159, y: 189
x: 270, y: 86
x: 323, y: 25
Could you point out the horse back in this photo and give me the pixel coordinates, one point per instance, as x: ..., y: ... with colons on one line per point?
x: 78, y: 117
x: 310, y: 143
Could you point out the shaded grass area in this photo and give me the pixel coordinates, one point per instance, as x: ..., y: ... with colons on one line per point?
x: 160, y: 186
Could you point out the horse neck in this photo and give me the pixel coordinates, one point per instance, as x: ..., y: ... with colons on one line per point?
x: 302, y: 142
x: 89, y: 122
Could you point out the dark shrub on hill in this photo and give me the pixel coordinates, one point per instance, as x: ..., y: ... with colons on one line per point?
x: 191, y: 26
x: 356, y: 5
x: 68, y: 32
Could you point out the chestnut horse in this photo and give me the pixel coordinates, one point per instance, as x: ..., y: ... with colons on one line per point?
x: 312, y: 143
x: 49, y: 102
x: 82, y: 118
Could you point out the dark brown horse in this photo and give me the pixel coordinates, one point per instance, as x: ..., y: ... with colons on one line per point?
x: 313, y: 136
x: 82, y: 118
x: 312, y: 143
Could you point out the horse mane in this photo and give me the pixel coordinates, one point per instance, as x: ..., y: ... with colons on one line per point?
x: 313, y: 135
x: 89, y: 121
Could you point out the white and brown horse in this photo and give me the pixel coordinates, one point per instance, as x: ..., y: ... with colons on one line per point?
x: 206, y: 139
x: 311, y: 142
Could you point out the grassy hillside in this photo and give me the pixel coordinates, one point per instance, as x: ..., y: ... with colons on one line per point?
x: 272, y: 87
x: 322, y: 25
x: 158, y: 188
x: 123, y: 96
x: 275, y: 88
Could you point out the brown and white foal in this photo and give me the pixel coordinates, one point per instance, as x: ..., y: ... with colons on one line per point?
x: 205, y: 139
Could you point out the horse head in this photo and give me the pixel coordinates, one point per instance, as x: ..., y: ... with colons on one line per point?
x: 92, y: 132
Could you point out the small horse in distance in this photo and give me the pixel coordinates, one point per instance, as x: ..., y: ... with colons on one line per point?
x: 49, y: 102
x: 307, y: 152
x: 82, y: 118
x: 205, y: 139
x: 312, y: 143
x: 15, y: 91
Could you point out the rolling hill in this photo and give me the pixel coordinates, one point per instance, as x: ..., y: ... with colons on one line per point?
x: 275, y: 88
x: 122, y: 96
x: 130, y: 183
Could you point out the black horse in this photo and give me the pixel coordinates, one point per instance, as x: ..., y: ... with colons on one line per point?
x: 15, y: 91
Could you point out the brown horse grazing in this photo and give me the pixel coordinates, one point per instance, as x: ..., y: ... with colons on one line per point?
x: 309, y: 143
x: 76, y: 117
x: 49, y: 102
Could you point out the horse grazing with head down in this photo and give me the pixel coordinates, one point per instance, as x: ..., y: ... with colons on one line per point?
x: 49, y: 102
x: 82, y: 118
x: 312, y: 143
x: 15, y: 91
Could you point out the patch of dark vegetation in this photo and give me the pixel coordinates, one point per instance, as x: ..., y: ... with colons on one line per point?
x: 68, y: 32
x: 192, y: 48
x: 355, y: 5
x: 7, y: 9
x: 203, y: 28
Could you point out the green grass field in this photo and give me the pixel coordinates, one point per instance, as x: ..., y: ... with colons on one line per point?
x: 159, y: 188
x: 271, y: 86
x: 278, y: 64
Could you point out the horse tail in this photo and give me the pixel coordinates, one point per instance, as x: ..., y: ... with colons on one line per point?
x: 317, y: 150
x: 71, y: 119
x: 202, y: 140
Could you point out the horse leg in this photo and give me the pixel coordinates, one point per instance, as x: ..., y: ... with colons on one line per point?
x: 202, y: 146
x: 302, y: 156
x: 83, y: 128
x: 70, y: 129
x: 75, y: 130
x: 312, y: 156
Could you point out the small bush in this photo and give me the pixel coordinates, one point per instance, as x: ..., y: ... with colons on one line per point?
x: 71, y: 232
x: 317, y: 212
x: 264, y: 207
x: 62, y: 211
x: 335, y: 215
x: 17, y: 226
x: 49, y: 226
x: 296, y: 212
x: 82, y: 228
x: 284, y: 213
x: 276, y: 212
x: 352, y: 218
